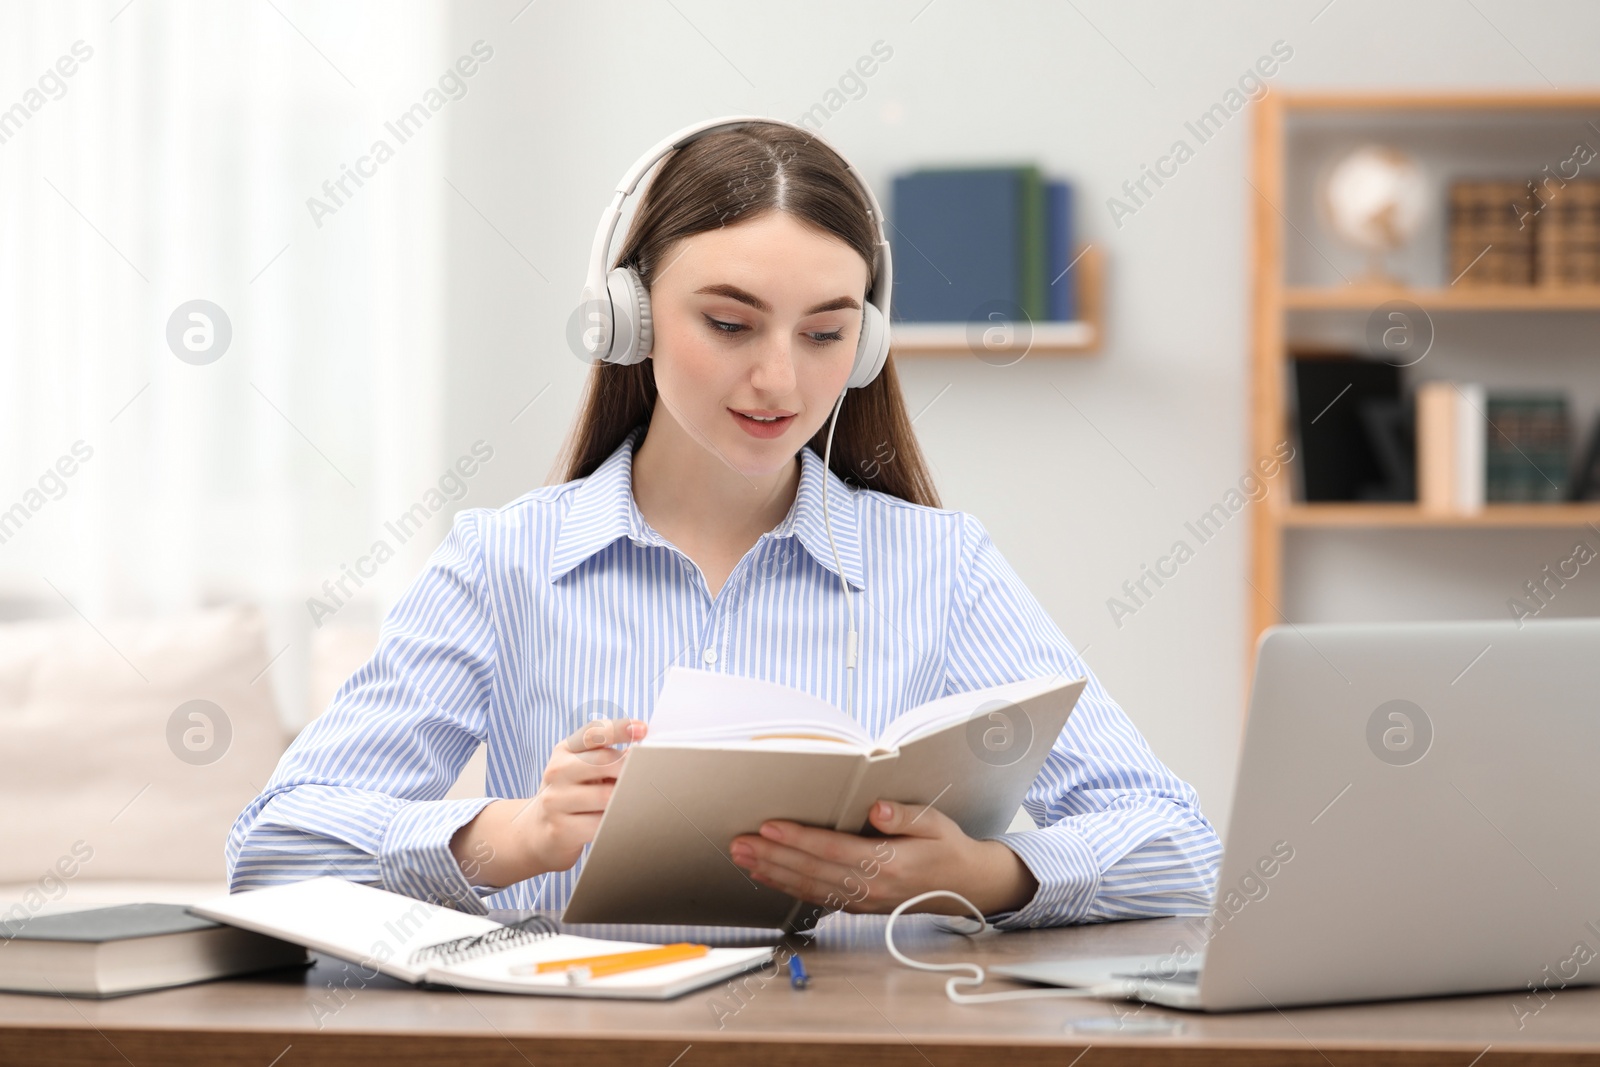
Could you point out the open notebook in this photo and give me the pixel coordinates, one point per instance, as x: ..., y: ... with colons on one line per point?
x: 725, y: 753
x: 415, y: 942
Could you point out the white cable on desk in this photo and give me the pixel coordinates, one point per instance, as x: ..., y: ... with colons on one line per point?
x: 975, y: 975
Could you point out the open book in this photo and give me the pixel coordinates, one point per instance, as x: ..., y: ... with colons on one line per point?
x: 415, y: 942
x: 726, y: 753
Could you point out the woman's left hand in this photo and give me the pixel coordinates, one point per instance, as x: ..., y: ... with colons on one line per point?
x: 924, y: 850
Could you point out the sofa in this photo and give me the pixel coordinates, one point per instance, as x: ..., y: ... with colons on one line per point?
x: 127, y: 749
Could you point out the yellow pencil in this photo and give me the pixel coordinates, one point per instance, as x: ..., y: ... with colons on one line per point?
x: 588, y: 967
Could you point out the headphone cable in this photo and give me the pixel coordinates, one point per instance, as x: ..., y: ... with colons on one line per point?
x: 827, y: 523
x: 974, y: 973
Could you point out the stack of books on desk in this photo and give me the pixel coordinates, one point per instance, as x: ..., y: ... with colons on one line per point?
x: 131, y: 948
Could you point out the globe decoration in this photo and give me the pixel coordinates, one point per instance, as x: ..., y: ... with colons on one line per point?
x: 1374, y: 198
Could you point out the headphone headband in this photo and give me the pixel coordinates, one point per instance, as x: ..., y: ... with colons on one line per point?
x: 616, y: 334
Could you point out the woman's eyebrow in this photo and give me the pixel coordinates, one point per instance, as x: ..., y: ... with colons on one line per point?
x: 733, y: 292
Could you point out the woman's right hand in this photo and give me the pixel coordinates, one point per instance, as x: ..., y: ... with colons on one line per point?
x: 511, y: 840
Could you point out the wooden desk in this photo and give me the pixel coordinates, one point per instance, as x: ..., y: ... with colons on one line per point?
x: 862, y: 1010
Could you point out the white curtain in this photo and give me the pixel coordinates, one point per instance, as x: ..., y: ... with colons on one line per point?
x: 175, y: 163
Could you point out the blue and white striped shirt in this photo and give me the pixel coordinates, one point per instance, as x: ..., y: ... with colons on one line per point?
x: 565, y: 604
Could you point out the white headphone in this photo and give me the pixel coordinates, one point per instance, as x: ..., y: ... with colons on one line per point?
x: 615, y: 305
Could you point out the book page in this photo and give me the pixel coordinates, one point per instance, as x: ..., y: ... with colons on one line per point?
x: 978, y: 773
x: 958, y: 707
x: 710, y: 707
x: 359, y: 923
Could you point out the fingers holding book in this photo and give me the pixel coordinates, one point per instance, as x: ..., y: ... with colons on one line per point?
x: 925, y: 850
x: 574, y: 790
x: 595, y: 741
x: 511, y: 840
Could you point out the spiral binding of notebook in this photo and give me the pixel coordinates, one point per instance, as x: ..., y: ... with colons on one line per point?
x: 533, y: 928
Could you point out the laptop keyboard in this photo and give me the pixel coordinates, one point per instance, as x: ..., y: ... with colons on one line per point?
x: 1191, y: 977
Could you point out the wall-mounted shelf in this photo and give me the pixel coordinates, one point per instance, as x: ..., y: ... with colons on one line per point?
x: 1456, y: 298
x: 1078, y: 338
x: 1391, y: 516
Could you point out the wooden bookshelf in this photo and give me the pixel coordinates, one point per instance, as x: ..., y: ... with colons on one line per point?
x: 1391, y: 516
x: 1459, y: 298
x: 1079, y: 338
x: 1275, y: 302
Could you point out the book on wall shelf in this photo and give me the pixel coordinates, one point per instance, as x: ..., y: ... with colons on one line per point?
x: 1586, y: 476
x: 1452, y: 435
x: 1450, y: 447
x: 1524, y: 232
x: 988, y: 255
x: 1476, y: 447
x: 1354, y: 439
x: 1490, y: 239
x: 1527, y: 448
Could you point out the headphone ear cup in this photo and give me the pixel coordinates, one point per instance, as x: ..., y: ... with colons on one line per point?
x: 631, y: 333
x: 872, y: 349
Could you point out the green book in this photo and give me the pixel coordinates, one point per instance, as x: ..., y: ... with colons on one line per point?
x: 1033, y: 245
x: 1527, y: 449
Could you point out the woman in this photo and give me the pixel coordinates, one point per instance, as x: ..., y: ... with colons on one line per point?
x: 690, y: 530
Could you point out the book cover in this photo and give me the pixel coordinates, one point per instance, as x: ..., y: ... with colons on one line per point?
x: 726, y: 753
x: 1391, y: 427
x: 1436, y: 446
x: 130, y: 948
x: 1567, y: 235
x: 1471, y: 440
x: 1490, y: 230
x: 1031, y: 244
x: 1062, y: 284
x: 958, y: 241
x: 1527, y: 447
x: 1338, y: 461
x: 1586, y: 479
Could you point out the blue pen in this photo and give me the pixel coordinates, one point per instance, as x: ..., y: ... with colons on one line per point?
x: 798, y: 978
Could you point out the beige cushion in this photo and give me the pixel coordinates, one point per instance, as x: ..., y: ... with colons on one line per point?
x: 93, y: 759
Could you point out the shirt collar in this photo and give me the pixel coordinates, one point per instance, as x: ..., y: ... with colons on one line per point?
x: 603, y: 509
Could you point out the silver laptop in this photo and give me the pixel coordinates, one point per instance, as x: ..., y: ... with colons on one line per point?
x: 1414, y: 816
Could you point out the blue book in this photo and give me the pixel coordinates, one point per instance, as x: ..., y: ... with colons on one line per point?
x: 956, y: 238
x: 1062, y: 287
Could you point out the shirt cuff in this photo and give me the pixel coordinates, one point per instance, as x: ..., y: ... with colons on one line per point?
x: 1068, y: 873
x: 415, y: 857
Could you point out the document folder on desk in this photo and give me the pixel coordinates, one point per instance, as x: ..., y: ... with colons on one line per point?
x: 417, y: 942
x: 726, y: 753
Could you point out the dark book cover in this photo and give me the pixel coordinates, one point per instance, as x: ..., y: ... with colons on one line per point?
x: 130, y: 948
x: 107, y: 924
x: 957, y: 238
x: 1062, y: 284
x: 1526, y: 453
x: 1586, y: 478
x: 1337, y: 455
x: 1391, y: 425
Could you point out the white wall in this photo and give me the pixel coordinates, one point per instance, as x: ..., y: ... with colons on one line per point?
x: 1078, y: 495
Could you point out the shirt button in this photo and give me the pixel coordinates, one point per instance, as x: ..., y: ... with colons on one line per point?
x: 710, y: 655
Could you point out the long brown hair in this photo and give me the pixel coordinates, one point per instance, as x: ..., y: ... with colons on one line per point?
x: 728, y: 176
